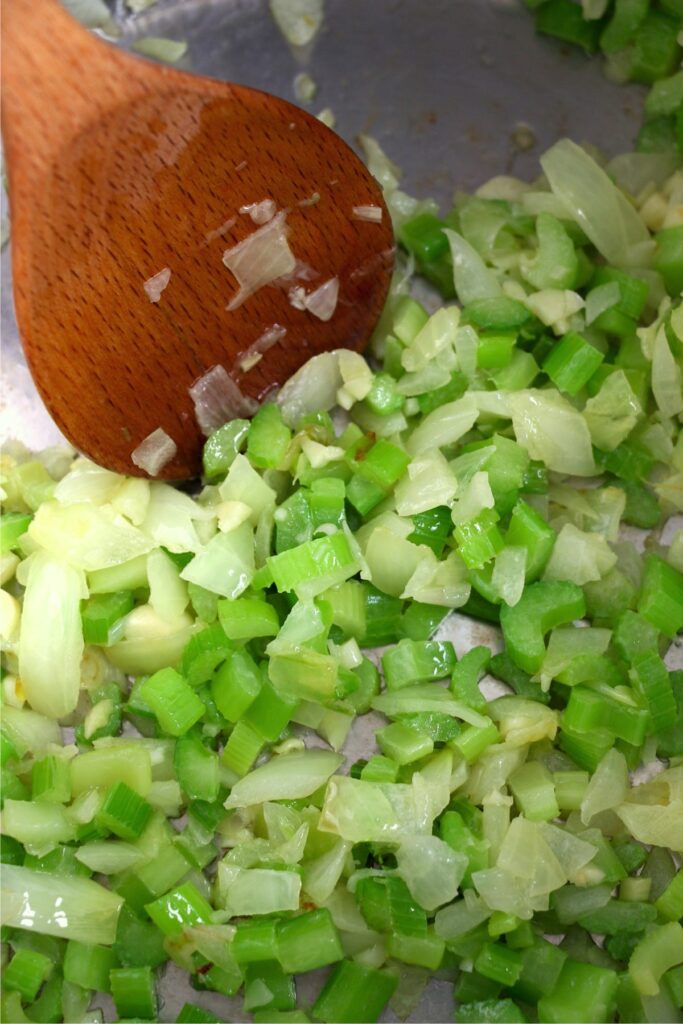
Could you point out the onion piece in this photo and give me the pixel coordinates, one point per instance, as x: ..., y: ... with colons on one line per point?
x: 217, y: 398
x: 323, y: 301
x: 155, y: 452
x: 251, y: 356
x: 370, y: 212
x: 220, y: 230
x: 260, y: 258
x: 155, y: 285
x: 305, y: 87
x: 261, y: 212
x: 167, y: 50
x: 298, y: 20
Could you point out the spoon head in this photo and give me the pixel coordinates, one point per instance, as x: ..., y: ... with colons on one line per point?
x: 167, y: 183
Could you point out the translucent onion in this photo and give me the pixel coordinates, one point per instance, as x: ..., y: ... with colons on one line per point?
x: 370, y: 213
x: 287, y: 777
x: 68, y: 907
x: 298, y: 20
x: 155, y: 285
x: 51, y: 638
x: 217, y: 398
x: 155, y: 452
x: 260, y: 258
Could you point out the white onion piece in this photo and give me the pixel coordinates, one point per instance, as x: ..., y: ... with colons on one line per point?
x: 155, y: 452
x: 298, y: 20
x: 305, y: 87
x: 261, y: 212
x: 260, y: 258
x: 155, y: 285
x: 297, y: 297
x: 251, y: 356
x: 371, y: 213
x: 217, y: 399
x: 323, y: 301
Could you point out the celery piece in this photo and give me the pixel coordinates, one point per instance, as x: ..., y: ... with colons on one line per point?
x: 203, y: 654
x: 268, y: 437
x: 124, y: 812
x: 134, y: 993
x: 417, y: 662
x: 222, y: 446
x: 583, y: 993
x: 26, y: 972
x: 101, y: 613
x: 490, y: 1011
x: 572, y: 362
x: 308, y: 941
x: 564, y: 20
x: 541, y: 607
x: 627, y: 17
x: 668, y: 258
x: 178, y: 909
x: 196, y: 767
x: 655, y: 48
x: 13, y: 526
x: 354, y: 992
x: 176, y: 706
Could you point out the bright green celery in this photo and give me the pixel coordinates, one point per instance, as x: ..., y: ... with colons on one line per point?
x: 627, y: 17
x: 347, y: 604
x: 403, y: 744
x: 466, y: 675
x: 236, y: 685
x: 124, y: 812
x: 555, y: 263
x: 586, y: 749
x: 504, y: 668
x: 473, y: 740
x: 268, y: 437
x: 382, y: 618
x: 51, y: 780
x: 499, y: 963
x: 379, y: 769
x: 269, y: 713
x: 205, y: 651
x: 619, y: 917
x: 421, y: 950
x: 642, y: 507
x: 191, y: 1014
x: 196, y: 766
x: 222, y: 446
x: 354, y: 992
x: 242, y: 748
x: 326, y: 502
x: 26, y: 972
x: 670, y: 904
x: 479, y: 539
x: 651, y: 681
x: 432, y: 528
x: 572, y: 362
x: 655, y: 48
x: 375, y: 474
x: 387, y: 905
x: 13, y: 525
x: 175, y: 704
x: 246, y: 618
x: 88, y: 966
x: 293, y: 525
x: 669, y: 258
x: 417, y: 662
x: 495, y: 349
x: 570, y: 789
x: 634, y: 636
x: 267, y: 986
x: 178, y: 909
x: 489, y: 1011
x: 564, y: 20
x: 308, y: 941
x: 583, y: 993
x: 311, y: 568
x: 588, y: 709
x: 660, y: 949
x: 134, y: 993
x: 102, y: 612
x: 454, y: 831
x: 661, y: 596
x: 541, y: 607
x: 534, y: 791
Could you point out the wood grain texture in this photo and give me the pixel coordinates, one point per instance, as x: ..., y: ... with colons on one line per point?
x: 119, y: 168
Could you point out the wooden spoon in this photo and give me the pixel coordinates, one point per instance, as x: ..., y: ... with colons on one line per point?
x: 118, y: 169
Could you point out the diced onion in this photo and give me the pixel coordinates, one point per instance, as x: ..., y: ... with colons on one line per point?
x: 260, y: 258
x: 167, y: 50
x: 155, y: 285
x: 323, y: 301
x: 370, y: 212
x: 251, y: 356
x: 298, y: 20
x: 261, y: 212
x: 155, y: 452
x: 304, y: 87
x: 217, y: 399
